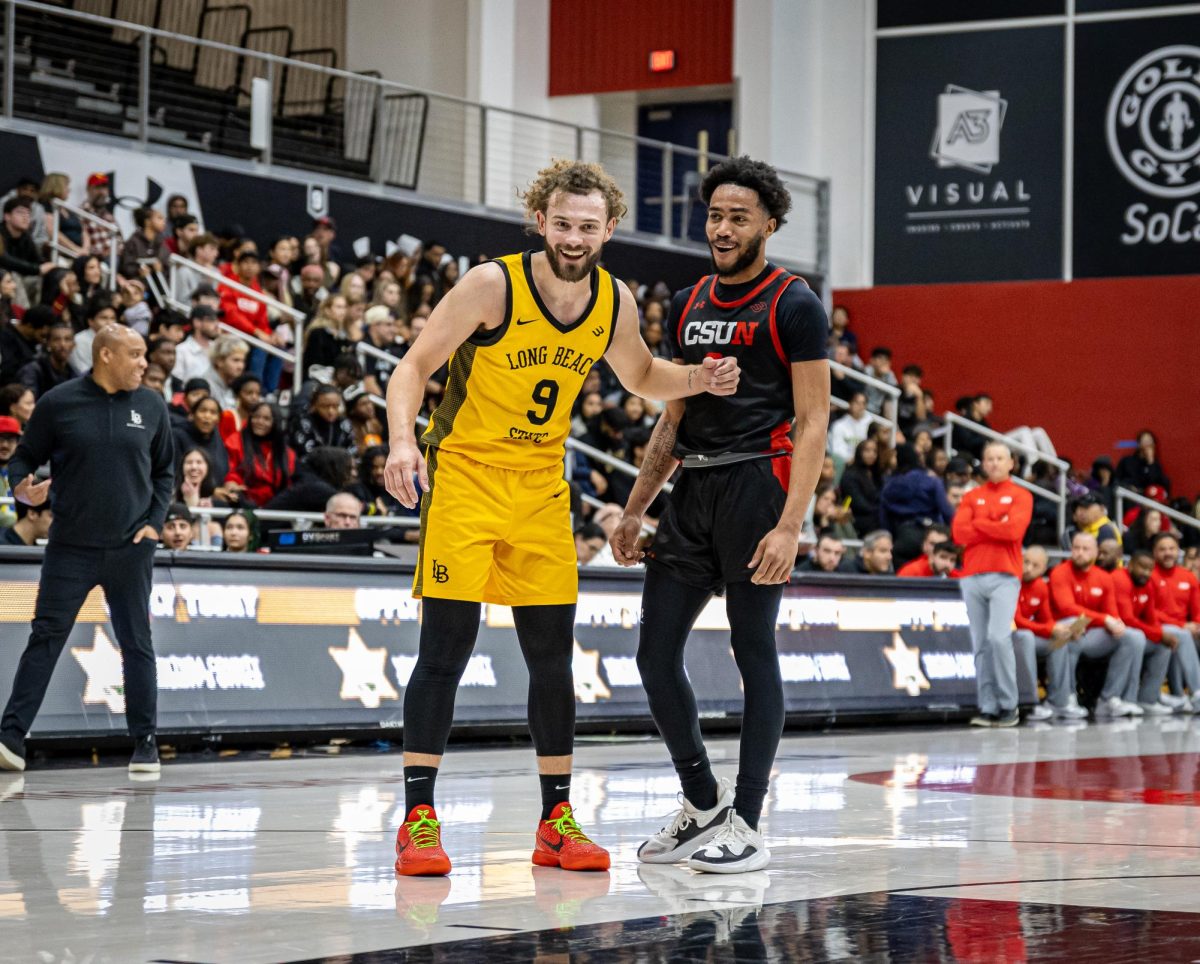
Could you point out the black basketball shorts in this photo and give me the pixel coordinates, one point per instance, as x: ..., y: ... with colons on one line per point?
x: 716, y: 519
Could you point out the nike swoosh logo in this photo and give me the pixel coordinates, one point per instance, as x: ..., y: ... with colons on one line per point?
x: 556, y: 495
x: 416, y: 779
x: 555, y: 847
x: 527, y: 321
x: 567, y: 787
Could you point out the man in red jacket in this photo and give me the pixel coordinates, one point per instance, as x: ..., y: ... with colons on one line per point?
x: 1177, y: 599
x: 925, y: 566
x: 1037, y: 634
x: 1135, y: 594
x: 1080, y: 588
x: 990, y: 524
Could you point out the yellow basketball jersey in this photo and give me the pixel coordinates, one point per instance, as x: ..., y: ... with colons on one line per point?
x: 510, y: 391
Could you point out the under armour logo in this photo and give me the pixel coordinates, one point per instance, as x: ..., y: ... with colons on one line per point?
x: 440, y: 573
x: 699, y: 304
x: 758, y: 306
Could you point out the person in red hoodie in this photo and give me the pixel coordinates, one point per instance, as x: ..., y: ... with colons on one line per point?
x: 261, y: 463
x: 1078, y: 587
x: 1135, y: 594
x: 249, y: 315
x: 1177, y: 599
x: 1037, y: 634
x: 990, y: 525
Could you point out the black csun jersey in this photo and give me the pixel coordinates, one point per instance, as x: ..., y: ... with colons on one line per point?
x: 767, y: 324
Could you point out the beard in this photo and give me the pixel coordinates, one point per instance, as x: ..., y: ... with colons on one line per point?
x: 566, y: 271
x: 743, y: 261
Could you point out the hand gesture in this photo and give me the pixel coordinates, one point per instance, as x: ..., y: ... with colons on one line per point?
x: 774, y: 558
x: 625, y: 541
x: 403, y: 462
x: 30, y: 492
x: 146, y: 532
x: 718, y: 376
x: 1114, y: 626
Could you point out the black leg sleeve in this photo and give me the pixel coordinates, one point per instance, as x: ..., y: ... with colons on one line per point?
x: 669, y: 608
x: 448, y: 631
x: 753, y: 611
x: 547, y: 637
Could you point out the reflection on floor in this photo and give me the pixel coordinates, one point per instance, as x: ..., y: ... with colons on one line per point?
x: 911, y: 845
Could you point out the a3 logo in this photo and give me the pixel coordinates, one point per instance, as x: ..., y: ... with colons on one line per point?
x: 968, y: 129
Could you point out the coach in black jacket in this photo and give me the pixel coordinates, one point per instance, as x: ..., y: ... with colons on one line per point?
x: 112, y: 472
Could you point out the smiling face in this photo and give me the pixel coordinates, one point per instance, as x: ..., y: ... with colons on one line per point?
x: 575, y: 228
x: 121, y: 358
x: 1166, y: 553
x: 195, y: 467
x: 262, y: 420
x: 737, y: 227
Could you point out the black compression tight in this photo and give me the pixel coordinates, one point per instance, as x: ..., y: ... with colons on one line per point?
x: 670, y: 609
x: 448, y: 631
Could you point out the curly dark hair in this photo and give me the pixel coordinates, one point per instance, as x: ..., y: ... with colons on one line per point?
x: 758, y: 176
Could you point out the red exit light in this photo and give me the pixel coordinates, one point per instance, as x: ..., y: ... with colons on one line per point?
x: 662, y: 60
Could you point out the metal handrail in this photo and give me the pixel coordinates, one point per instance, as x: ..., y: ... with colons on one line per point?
x: 1122, y: 494
x: 894, y: 421
x: 1059, y: 497
x: 274, y: 304
x: 843, y: 405
x: 59, y: 206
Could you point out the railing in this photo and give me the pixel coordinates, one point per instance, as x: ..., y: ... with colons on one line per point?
x: 159, y: 86
x: 893, y: 393
x: 1034, y: 455
x: 1124, y: 495
x: 179, y: 301
x: 114, y: 241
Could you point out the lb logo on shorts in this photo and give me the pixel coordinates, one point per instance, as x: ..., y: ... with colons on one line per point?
x: 439, y: 572
x: 1153, y: 124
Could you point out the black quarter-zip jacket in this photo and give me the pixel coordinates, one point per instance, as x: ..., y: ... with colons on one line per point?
x: 112, y: 461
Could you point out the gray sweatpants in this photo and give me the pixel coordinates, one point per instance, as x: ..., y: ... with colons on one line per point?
x: 1125, y: 664
x: 1060, y: 684
x: 1185, y: 663
x: 991, y: 599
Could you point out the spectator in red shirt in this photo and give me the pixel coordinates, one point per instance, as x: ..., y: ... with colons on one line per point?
x: 1038, y: 635
x: 922, y: 566
x: 990, y: 524
x: 1177, y: 599
x: 1135, y: 593
x: 1079, y: 588
x: 260, y: 462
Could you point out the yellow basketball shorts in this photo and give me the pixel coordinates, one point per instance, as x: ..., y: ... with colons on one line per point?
x: 495, y: 535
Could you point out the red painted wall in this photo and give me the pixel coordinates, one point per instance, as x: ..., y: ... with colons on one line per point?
x: 600, y: 47
x: 1090, y: 361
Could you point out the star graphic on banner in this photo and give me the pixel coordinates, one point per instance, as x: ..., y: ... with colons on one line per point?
x: 364, y: 672
x: 585, y: 667
x: 105, y: 672
x: 906, y: 666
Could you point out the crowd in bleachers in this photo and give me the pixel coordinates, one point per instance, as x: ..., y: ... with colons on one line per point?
x: 247, y: 441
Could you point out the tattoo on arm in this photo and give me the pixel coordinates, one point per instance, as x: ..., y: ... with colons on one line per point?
x: 691, y: 376
x: 659, y: 461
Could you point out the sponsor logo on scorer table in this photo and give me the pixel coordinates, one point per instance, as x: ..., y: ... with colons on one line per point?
x: 1153, y: 132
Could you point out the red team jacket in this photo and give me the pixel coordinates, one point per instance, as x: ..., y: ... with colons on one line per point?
x: 1177, y: 595
x: 1033, y: 608
x: 1075, y: 593
x: 990, y: 523
x: 920, y: 568
x: 1135, y: 605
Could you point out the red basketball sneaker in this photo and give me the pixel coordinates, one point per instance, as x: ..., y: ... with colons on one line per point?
x: 419, y: 850
x: 561, y: 843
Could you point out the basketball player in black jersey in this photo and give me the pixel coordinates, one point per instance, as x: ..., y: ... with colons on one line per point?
x: 734, y: 518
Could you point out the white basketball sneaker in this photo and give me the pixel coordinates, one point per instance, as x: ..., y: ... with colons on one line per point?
x: 736, y: 849
x: 688, y: 829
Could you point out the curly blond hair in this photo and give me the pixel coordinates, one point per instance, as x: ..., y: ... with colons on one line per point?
x: 574, y: 177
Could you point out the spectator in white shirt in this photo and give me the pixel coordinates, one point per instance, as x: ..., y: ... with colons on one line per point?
x: 191, y: 357
x: 850, y: 429
x: 100, y: 313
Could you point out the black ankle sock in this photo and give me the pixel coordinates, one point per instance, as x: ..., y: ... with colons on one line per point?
x: 748, y: 799
x: 418, y: 787
x: 556, y: 789
x: 699, y: 784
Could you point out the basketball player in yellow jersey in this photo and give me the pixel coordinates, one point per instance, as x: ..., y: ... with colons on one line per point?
x: 521, y: 334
